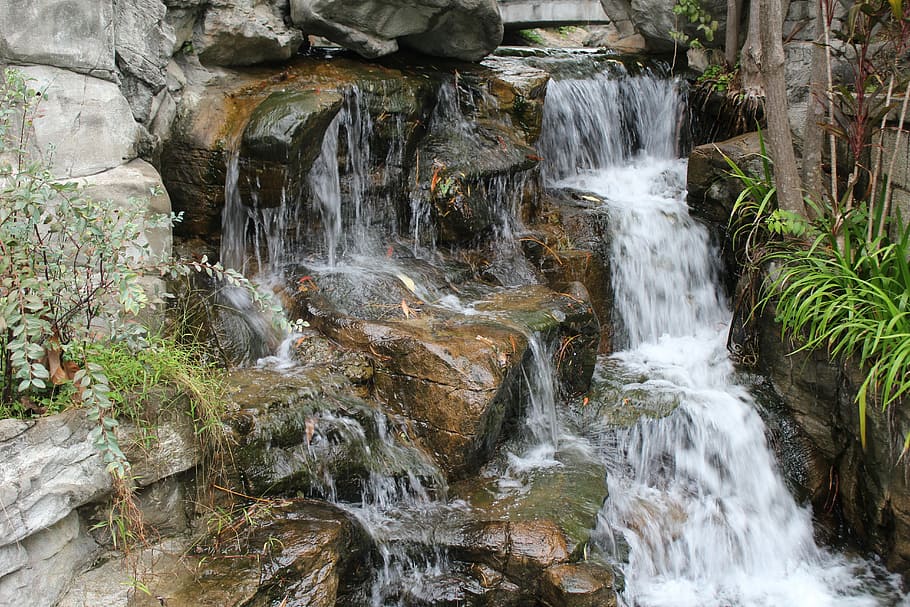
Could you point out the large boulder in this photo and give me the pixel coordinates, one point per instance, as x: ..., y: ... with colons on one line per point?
x: 136, y: 183
x: 461, y: 29
x: 459, y: 378
x: 297, y: 551
x: 655, y: 19
x: 85, y: 125
x: 305, y: 434
x: 72, y: 35
x: 49, y: 470
x: 244, y: 32
x: 279, y: 143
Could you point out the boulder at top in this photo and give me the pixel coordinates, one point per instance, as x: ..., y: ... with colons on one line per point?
x: 460, y: 29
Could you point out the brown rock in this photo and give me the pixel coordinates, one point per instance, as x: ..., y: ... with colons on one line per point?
x: 578, y: 585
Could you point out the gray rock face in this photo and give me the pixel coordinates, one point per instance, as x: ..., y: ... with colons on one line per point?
x: 132, y: 184
x: 61, y: 33
x: 87, y: 121
x: 53, y: 555
x: 144, y: 44
x: 463, y: 29
x: 244, y: 32
x: 654, y: 19
x: 49, y: 469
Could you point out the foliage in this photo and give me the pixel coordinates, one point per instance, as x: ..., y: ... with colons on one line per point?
x: 718, y: 78
x: 844, y: 293
x: 71, y: 286
x: 531, y: 36
x: 695, y: 14
x: 162, y: 370
x: 853, y: 300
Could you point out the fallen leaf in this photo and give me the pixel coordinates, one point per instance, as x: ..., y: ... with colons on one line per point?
x: 407, y: 282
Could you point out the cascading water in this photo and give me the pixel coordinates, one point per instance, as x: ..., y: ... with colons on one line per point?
x: 698, y: 513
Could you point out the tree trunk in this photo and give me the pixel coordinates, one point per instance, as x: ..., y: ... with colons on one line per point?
x: 731, y: 39
x: 780, y: 140
x: 752, y: 53
x: 813, y: 133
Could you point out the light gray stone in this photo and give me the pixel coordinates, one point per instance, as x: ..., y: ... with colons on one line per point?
x: 87, y: 121
x: 46, y: 471
x: 133, y: 184
x: 53, y: 557
x: 461, y: 29
x: 244, y: 32
x: 144, y: 44
x: 63, y: 33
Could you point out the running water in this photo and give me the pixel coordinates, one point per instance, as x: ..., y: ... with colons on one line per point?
x: 698, y: 513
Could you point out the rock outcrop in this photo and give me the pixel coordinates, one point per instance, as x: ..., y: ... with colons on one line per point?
x: 458, y: 379
x: 49, y: 471
x: 85, y: 125
x: 306, y: 553
x: 866, y: 486
x: 462, y: 29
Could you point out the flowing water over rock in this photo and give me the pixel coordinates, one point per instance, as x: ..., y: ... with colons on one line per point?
x: 470, y: 361
x: 698, y: 513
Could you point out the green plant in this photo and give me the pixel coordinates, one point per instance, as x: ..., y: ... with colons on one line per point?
x: 532, y: 36
x: 697, y: 15
x: 843, y: 293
x: 718, y: 78
x: 70, y: 280
x: 851, y: 297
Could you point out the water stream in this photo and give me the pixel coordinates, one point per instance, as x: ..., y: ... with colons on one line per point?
x: 698, y: 513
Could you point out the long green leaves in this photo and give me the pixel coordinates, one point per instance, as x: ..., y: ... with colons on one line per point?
x: 852, y: 299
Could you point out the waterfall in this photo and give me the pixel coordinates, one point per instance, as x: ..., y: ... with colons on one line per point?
x: 605, y: 120
x: 698, y: 513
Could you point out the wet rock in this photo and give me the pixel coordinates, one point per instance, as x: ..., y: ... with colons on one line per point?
x: 302, y: 433
x: 75, y: 109
x: 212, y: 122
x: 533, y: 546
x: 868, y: 486
x: 195, y: 156
x: 572, y: 244
x: 520, y: 551
x: 465, y: 29
x: 479, y: 169
x: 244, y: 32
x: 299, y: 551
x: 570, y: 496
x: 712, y: 190
x: 280, y: 142
x: 520, y: 90
x: 578, y: 585
x: 457, y: 378
x: 60, y: 33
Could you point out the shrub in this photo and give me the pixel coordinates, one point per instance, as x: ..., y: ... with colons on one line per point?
x: 70, y: 281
